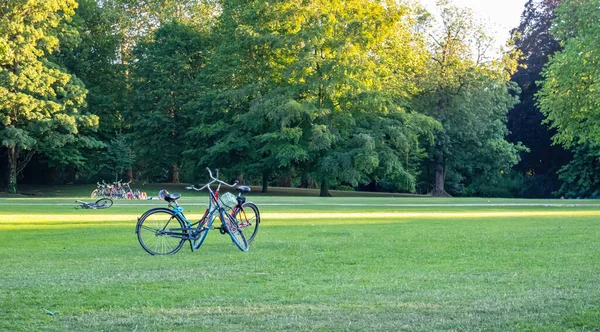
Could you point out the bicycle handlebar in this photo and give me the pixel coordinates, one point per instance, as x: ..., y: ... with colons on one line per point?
x: 192, y: 187
x: 221, y: 182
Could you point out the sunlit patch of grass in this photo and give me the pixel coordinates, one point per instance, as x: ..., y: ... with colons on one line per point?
x: 318, y: 218
x: 53, y: 225
x: 66, y: 218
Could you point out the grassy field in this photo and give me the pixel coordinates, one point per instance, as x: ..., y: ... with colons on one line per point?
x: 315, y: 265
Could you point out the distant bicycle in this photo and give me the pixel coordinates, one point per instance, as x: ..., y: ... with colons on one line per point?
x: 163, y: 231
x: 103, y: 203
x: 102, y: 190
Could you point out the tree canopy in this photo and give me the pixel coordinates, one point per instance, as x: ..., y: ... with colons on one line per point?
x: 569, y: 96
x: 42, y: 106
x: 326, y: 94
x: 534, y: 39
x: 469, y: 94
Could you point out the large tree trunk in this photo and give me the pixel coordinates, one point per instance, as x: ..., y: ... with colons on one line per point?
x: 440, y: 175
x: 440, y: 162
x: 325, y: 189
x: 12, y: 170
x: 265, y: 182
x: 129, y: 174
x: 175, y: 173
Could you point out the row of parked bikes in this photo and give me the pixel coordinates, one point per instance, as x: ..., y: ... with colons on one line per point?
x: 117, y: 190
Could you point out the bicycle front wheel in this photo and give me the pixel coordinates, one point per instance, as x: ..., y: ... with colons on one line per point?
x: 160, y: 232
x: 232, y: 228
x: 103, y: 203
x: 95, y: 194
x: 248, y: 219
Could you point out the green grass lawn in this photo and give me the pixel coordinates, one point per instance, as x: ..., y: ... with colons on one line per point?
x: 320, y: 267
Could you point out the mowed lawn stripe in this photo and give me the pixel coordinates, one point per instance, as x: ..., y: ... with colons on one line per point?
x: 27, y: 218
x: 97, y: 219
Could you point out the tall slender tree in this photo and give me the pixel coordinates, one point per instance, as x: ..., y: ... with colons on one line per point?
x: 164, y: 82
x: 467, y: 92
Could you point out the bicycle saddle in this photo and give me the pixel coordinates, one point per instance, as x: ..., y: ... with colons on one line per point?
x: 243, y: 189
x: 172, y: 197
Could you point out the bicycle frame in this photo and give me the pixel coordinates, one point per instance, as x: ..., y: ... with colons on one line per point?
x: 195, y: 230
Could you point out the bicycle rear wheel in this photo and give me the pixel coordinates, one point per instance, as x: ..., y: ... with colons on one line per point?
x: 248, y: 219
x: 236, y: 233
x: 103, y: 203
x: 160, y: 232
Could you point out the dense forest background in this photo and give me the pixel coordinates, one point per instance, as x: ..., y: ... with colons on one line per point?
x: 351, y: 95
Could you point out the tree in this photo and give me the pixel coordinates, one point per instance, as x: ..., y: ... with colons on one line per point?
x: 321, y: 88
x: 581, y: 176
x: 537, y: 44
x: 468, y: 94
x: 118, y: 157
x: 104, y: 58
x: 569, y: 95
x: 40, y: 104
x: 164, y: 82
x: 93, y: 57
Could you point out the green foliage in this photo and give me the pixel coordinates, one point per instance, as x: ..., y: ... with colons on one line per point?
x: 41, y: 106
x: 476, y: 131
x: 164, y: 81
x: 94, y: 60
x: 117, y: 159
x: 503, y: 184
x: 569, y: 96
x: 296, y: 92
x: 581, y: 176
x: 313, y: 88
x: 534, y: 40
x: 470, y: 96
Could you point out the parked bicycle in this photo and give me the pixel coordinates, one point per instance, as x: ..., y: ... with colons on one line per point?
x: 102, y: 190
x: 126, y: 191
x: 163, y: 231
